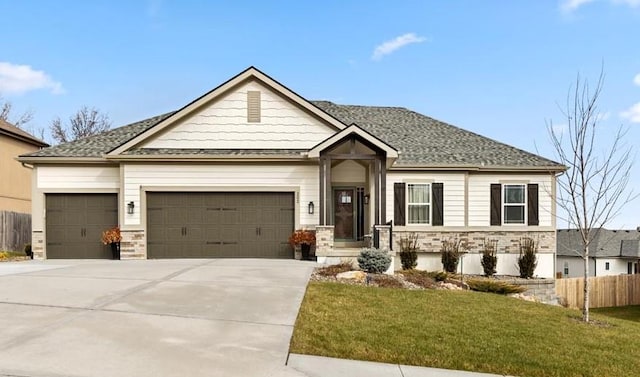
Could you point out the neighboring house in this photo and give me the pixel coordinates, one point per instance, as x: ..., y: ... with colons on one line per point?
x: 15, y: 185
x: 611, y: 252
x: 232, y: 173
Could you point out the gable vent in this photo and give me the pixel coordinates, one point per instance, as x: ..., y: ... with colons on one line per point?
x: 253, y: 106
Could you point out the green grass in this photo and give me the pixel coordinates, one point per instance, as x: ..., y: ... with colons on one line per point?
x: 629, y: 313
x: 461, y: 330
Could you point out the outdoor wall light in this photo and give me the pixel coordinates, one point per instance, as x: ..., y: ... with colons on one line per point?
x: 311, y: 208
x: 366, y: 199
x: 130, y: 207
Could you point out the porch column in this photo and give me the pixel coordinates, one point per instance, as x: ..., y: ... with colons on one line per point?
x: 328, y: 194
x: 376, y: 180
x: 383, y: 191
x: 321, y: 190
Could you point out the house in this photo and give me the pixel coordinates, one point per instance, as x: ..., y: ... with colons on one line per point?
x: 611, y: 252
x: 232, y: 173
x: 15, y: 185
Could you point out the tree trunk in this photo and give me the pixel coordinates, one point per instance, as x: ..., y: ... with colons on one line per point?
x: 585, y: 306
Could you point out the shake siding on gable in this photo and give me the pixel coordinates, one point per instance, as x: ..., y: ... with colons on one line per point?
x: 480, y: 199
x: 453, y: 185
x: 223, y: 124
x: 238, y: 177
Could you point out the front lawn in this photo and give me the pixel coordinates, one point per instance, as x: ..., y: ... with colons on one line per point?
x: 631, y: 313
x: 461, y: 330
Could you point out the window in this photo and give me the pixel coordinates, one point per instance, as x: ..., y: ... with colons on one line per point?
x: 606, y: 266
x: 566, y: 268
x: 418, y: 203
x: 514, y: 204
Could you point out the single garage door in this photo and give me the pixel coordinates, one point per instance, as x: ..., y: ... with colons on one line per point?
x: 75, y: 222
x: 219, y: 225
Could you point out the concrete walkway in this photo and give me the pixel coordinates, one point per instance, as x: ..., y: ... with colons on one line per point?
x: 317, y: 366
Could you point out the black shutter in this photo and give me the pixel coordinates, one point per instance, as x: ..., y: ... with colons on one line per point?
x: 398, y: 203
x: 496, y: 204
x: 437, y: 195
x: 532, y: 204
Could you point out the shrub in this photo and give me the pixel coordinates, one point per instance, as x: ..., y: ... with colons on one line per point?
x: 409, y: 251
x: 335, y: 269
x: 439, y: 275
x: 489, y: 258
x: 528, y: 260
x: 373, y: 260
x: 27, y: 250
x: 422, y: 279
x: 450, y: 255
x: 494, y: 286
x: 386, y: 281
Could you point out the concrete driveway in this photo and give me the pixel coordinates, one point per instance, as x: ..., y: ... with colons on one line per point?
x: 214, y: 317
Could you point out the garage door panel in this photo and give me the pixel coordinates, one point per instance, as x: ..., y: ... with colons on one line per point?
x: 74, y: 224
x: 222, y: 224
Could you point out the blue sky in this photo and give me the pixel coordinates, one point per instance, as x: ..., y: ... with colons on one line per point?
x: 498, y: 68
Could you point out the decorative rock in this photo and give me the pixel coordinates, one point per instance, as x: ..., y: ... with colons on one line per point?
x: 352, y: 275
x: 449, y: 286
x: 524, y: 297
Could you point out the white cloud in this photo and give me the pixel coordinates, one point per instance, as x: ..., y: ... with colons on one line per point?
x: 18, y: 79
x: 559, y: 129
x: 636, y: 79
x: 390, y: 46
x: 571, y: 5
x: 632, y: 114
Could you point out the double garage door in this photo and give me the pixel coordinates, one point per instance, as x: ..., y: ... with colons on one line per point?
x: 179, y: 224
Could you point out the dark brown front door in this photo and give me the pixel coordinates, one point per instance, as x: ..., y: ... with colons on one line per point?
x: 344, y: 201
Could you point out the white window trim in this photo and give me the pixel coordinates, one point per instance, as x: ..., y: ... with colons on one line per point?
x: 504, y: 204
x: 407, y: 204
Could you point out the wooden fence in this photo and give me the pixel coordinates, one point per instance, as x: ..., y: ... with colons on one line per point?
x: 15, y: 230
x: 618, y: 290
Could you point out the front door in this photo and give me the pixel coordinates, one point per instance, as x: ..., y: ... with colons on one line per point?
x: 344, y: 204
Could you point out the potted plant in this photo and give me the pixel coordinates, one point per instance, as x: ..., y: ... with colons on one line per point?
x: 303, y: 238
x: 112, y: 237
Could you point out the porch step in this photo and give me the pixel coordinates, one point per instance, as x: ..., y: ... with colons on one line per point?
x: 345, y: 252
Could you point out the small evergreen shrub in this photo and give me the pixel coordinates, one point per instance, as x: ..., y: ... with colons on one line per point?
x: 335, y: 269
x: 528, y: 259
x: 409, y: 251
x: 494, y: 286
x: 450, y: 255
x: 373, y: 260
x: 489, y: 259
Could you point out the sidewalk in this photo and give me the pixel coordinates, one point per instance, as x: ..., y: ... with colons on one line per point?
x: 318, y: 366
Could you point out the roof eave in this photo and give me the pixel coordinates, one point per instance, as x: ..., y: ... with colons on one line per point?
x: 480, y: 168
x: 62, y: 159
x: 192, y: 157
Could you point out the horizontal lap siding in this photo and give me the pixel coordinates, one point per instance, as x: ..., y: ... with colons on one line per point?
x: 479, y: 198
x: 217, y: 177
x: 453, y: 193
x: 223, y: 124
x: 78, y: 177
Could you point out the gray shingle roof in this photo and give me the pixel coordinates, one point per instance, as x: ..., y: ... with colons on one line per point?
x: 605, y: 243
x: 217, y: 152
x: 98, y: 145
x: 421, y: 140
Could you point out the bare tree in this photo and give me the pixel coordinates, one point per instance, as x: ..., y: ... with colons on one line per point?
x: 6, y: 114
x: 85, y: 122
x: 594, y: 189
